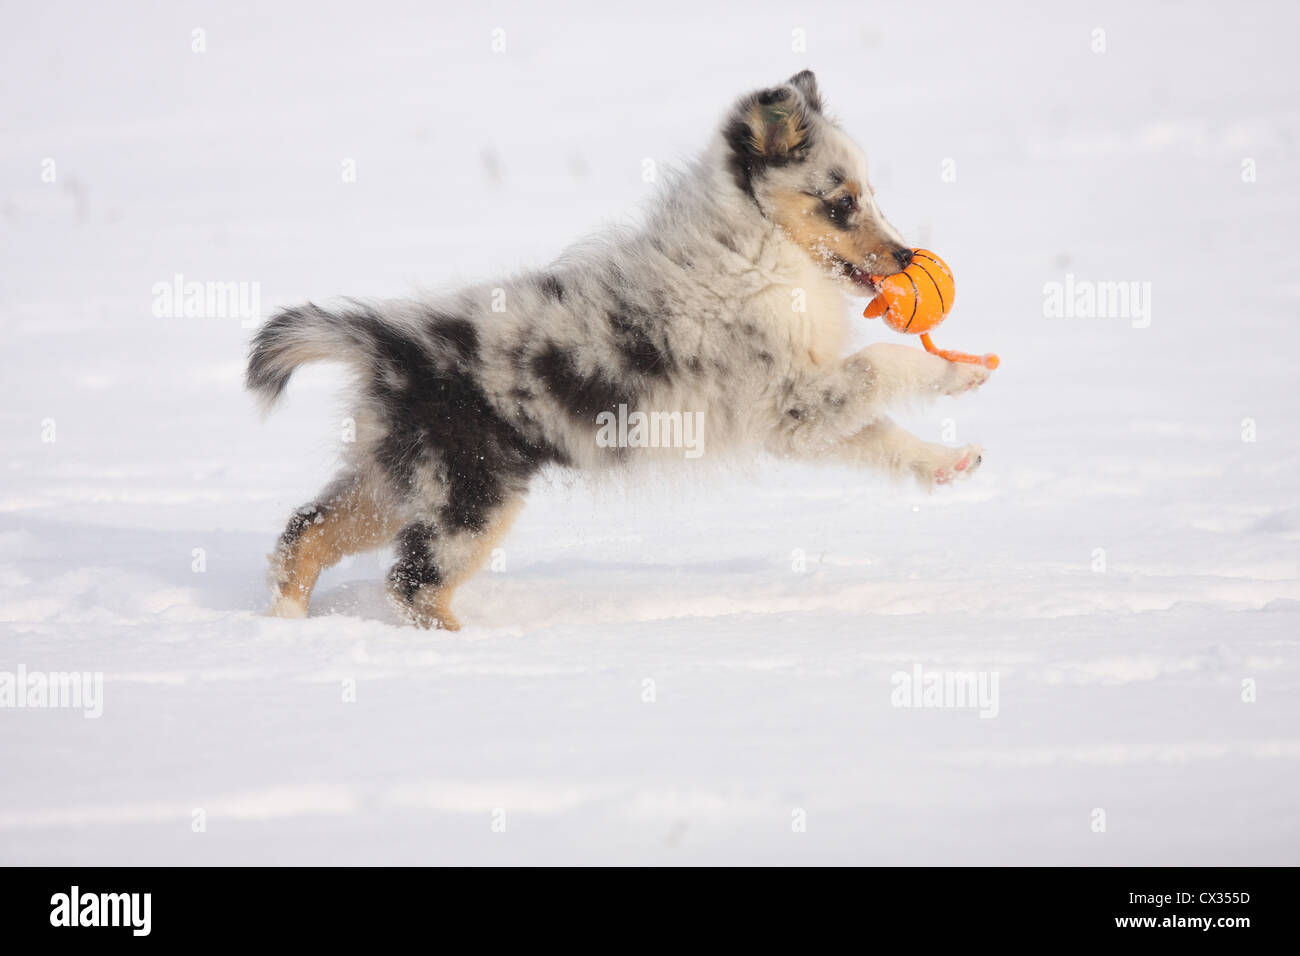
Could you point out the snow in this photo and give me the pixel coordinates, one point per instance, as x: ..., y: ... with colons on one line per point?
x: 1123, y: 561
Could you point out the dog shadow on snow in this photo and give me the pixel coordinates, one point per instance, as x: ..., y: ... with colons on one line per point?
x: 133, y: 570
x: 527, y: 594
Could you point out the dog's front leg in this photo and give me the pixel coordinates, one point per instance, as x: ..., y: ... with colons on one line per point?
x: 886, y: 447
x: 821, y: 409
x: 901, y: 373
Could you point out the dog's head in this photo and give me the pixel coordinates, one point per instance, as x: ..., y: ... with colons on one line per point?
x: 808, y: 177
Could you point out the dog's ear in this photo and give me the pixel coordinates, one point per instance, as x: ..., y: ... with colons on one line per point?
x: 806, y: 83
x: 770, y: 127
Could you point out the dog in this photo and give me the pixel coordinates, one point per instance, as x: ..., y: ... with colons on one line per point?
x: 728, y: 304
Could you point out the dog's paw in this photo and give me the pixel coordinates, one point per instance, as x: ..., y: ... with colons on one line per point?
x: 963, y: 377
x: 285, y: 606
x: 960, y: 463
x: 427, y: 609
x: 430, y: 619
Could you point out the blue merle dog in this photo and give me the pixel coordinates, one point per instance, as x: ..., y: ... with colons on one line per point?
x: 730, y: 301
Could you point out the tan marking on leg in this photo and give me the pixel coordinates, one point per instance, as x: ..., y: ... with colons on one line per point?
x: 350, y: 523
x: 432, y: 606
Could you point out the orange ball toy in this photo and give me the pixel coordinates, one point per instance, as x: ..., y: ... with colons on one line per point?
x: 917, y: 299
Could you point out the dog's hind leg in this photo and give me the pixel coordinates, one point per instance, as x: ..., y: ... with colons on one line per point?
x: 347, y: 518
x: 432, y: 563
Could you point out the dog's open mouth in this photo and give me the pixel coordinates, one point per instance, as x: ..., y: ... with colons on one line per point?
x: 855, y: 275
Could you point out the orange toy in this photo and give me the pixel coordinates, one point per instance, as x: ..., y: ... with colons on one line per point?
x: 917, y: 299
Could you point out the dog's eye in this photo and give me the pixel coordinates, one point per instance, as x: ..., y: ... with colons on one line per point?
x: 840, y: 209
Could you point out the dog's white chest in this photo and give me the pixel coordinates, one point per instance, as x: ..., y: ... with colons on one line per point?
x: 807, y: 310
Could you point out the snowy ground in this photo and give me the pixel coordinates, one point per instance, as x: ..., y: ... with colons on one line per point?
x: 1120, y: 671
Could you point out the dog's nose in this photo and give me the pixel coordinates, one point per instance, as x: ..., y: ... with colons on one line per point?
x: 903, y: 257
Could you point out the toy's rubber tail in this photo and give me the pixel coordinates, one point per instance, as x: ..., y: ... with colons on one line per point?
x: 989, y: 361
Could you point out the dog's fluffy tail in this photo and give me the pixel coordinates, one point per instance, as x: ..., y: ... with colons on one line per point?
x: 309, y: 333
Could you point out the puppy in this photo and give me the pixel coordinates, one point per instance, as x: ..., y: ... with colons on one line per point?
x: 727, y: 308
